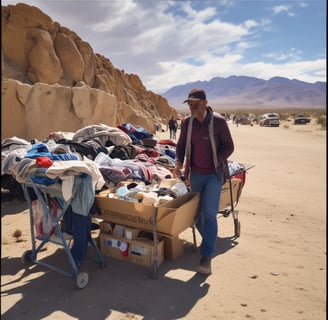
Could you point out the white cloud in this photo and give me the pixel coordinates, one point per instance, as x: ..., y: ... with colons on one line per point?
x: 250, y: 24
x: 283, y: 8
x: 293, y: 54
x: 199, y: 15
x: 244, y: 45
x: 279, y: 9
x: 168, y: 43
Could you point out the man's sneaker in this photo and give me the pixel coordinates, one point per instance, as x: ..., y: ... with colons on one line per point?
x: 204, y: 265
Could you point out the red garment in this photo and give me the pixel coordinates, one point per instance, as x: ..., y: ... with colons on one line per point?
x: 43, y: 162
x: 167, y: 141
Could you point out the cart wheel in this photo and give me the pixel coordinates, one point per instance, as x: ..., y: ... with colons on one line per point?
x: 27, y: 258
x: 237, y: 227
x: 82, y: 280
x: 226, y: 213
x: 154, y: 269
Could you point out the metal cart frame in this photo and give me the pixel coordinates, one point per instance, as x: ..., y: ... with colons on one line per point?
x: 239, y: 174
x: 30, y: 257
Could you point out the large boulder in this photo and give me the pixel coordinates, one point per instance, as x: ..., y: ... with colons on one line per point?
x: 52, y: 80
x: 36, y: 110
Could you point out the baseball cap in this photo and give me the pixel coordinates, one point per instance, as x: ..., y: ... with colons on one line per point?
x: 196, y: 95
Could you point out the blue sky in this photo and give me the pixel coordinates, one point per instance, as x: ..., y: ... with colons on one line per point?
x: 168, y: 43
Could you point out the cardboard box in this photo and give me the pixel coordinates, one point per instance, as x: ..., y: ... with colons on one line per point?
x: 183, y: 210
x: 131, y: 233
x: 225, y: 200
x: 140, y: 251
x: 173, y: 248
x: 172, y: 217
x: 110, y: 246
x: 132, y: 214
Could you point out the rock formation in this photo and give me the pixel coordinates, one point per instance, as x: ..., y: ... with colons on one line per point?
x: 53, y: 81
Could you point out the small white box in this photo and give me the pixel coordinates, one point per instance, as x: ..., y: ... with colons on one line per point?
x: 131, y: 233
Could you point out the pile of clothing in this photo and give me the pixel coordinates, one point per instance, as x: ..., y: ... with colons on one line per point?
x: 74, y: 167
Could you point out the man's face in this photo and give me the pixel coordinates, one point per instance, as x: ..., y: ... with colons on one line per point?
x: 197, y: 108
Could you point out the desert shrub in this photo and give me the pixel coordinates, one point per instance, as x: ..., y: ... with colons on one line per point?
x: 321, y: 119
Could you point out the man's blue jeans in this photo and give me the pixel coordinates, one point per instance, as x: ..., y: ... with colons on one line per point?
x: 209, y: 185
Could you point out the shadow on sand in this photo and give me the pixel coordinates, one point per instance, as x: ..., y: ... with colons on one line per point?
x: 119, y: 287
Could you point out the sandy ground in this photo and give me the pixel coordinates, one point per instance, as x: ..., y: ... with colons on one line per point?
x: 276, y: 269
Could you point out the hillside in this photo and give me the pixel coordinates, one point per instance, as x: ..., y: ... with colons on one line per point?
x: 248, y: 92
x: 53, y: 81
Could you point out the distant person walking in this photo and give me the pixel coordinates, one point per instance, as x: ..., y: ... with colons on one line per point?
x: 235, y: 120
x: 173, y: 126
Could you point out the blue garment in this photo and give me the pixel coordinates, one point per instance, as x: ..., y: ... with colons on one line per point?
x: 209, y: 185
x: 79, y: 227
x: 168, y: 151
x: 137, y: 133
x: 41, y: 150
x: 84, y: 195
x: 45, y: 180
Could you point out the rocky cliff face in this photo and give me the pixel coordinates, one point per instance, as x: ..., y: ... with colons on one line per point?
x: 53, y: 81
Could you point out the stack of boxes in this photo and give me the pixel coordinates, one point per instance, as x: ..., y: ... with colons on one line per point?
x: 124, y: 243
x: 127, y: 228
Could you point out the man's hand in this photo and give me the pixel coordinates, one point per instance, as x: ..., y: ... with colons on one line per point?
x: 177, y: 170
x: 177, y: 174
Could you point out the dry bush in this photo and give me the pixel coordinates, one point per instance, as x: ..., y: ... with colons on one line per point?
x: 321, y: 119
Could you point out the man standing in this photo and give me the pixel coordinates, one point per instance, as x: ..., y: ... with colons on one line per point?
x: 173, y: 126
x: 204, y: 145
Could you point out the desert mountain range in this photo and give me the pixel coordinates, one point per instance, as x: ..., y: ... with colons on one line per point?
x: 53, y: 81
x: 253, y: 93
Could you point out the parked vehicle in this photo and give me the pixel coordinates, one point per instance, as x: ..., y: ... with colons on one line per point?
x: 269, y: 120
x: 302, y: 119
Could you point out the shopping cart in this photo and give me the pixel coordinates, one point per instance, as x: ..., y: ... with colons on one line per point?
x: 47, y: 208
x: 231, y: 192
